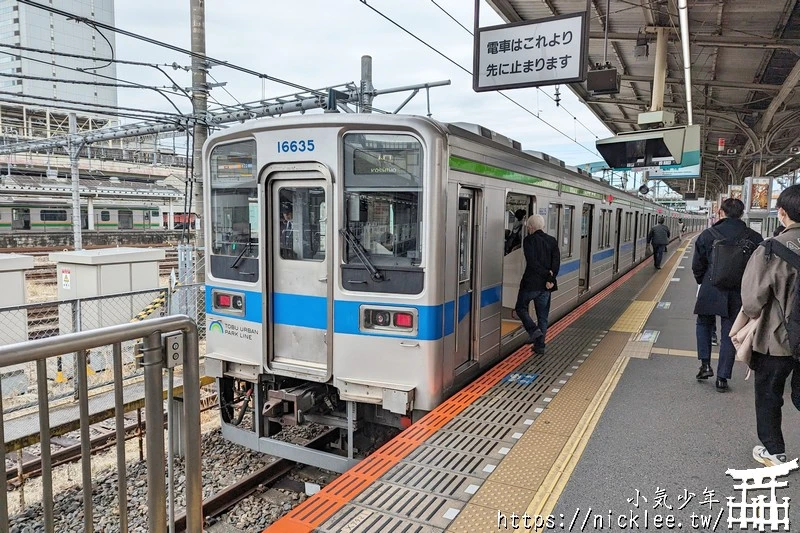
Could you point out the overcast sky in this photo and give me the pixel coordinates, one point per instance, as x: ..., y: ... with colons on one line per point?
x: 319, y: 43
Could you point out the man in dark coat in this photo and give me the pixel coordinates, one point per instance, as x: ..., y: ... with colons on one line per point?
x: 542, y: 261
x: 658, y: 236
x: 714, y: 302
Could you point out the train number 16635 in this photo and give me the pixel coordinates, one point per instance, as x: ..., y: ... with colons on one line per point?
x: 296, y: 146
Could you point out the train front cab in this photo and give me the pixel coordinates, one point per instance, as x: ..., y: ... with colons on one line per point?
x: 319, y: 294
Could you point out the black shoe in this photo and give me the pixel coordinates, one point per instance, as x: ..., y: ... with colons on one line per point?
x: 714, y: 341
x: 722, y: 385
x: 535, y: 336
x: 538, y: 350
x: 705, y: 372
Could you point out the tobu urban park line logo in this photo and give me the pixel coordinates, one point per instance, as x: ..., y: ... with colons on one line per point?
x: 761, y: 505
x: 216, y: 327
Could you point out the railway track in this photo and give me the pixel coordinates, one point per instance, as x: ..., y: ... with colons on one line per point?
x: 222, y: 501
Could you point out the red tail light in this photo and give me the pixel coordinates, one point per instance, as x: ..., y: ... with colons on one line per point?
x: 223, y: 300
x: 403, y: 320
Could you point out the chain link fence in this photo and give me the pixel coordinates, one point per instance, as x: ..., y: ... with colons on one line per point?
x: 184, y: 295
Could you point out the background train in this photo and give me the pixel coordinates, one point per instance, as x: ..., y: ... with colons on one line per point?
x: 357, y: 268
x: 49, y: 215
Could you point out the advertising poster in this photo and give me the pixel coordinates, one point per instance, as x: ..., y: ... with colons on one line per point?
x: 735, y: 191
x: 759, y: 195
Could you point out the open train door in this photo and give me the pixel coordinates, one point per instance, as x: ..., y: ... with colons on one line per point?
x: 587, y: 216
x: 300, y: 302
x: 467, y: 304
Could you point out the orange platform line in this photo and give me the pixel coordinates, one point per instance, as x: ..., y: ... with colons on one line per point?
x: 313, y: 512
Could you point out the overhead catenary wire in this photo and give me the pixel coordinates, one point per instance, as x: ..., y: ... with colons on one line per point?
x: 93, y: 106
x: 210, y: 60
x: 469, y: 72
x: 135, y: 116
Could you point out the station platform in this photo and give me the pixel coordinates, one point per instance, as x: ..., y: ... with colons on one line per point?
x: 610, y: 423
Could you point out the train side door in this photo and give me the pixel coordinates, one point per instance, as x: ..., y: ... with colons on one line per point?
x: 635, y: 234
x: 587, y: 216
x: 617, y: 240
x: 300, y: 304
x: 468, y: 294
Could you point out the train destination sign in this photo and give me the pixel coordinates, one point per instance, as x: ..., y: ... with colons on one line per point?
x: 531, y: 53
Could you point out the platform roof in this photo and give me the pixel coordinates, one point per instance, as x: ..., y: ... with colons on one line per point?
x: 745, y: 73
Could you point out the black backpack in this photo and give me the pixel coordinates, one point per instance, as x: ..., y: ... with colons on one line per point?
x: 793, y: 319
x: 729, y: 258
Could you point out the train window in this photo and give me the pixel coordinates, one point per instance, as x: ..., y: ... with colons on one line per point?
x: 518, y: 208
x: 53, y: 215
x: 383, y: 197
x: 565, y: 236
x: 105, y: 216
x: 234, y: 212
x: 303, y: 219
x: 605, y: 228
x: 628, y: 226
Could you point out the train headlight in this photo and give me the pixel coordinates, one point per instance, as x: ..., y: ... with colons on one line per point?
x: 381, y: 318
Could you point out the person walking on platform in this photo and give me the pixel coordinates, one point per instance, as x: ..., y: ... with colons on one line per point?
x: 718, y: 266
x: 768, y: 291
x: 658, y: 236
x: 542, y: 261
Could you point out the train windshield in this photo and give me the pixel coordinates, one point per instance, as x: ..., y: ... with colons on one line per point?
x: 383, y: 197
x: 234, y: 212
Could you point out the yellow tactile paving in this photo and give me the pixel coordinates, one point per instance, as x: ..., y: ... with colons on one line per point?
x: 474, y: 519
x: 634, y: 317
x: 530, y: 459
x: 510, y: 498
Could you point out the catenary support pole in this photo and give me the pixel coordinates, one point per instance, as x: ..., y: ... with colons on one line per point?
x: 74, y: 150
x: 199, y: 108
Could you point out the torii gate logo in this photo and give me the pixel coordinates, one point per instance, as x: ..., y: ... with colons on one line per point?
x: 756, y: 512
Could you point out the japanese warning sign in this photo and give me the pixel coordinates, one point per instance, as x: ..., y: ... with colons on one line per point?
x: 527, y: 54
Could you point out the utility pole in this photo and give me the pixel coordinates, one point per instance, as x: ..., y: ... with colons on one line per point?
x: 74, y: 150
x: 199, y: 109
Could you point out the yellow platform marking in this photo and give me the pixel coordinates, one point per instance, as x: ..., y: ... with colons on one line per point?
x: 634, y: 317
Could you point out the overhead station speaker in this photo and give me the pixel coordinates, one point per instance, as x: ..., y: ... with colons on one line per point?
x: 644, y: 189
x: 602, y: 81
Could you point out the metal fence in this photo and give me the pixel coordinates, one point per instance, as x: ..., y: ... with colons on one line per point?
x: 43, y: 352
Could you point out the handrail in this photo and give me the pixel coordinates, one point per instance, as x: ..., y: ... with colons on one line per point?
x: 151, y: 330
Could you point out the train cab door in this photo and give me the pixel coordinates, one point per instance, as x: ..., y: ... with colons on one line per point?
x: 587, y: 216
x: 617, y: 240
x: 300, y: 303
x: 468, y: 294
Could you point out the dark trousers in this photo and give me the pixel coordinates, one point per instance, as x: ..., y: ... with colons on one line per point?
x: 771, y: 374
x: 658, y: 254
x: 541, y: 303
x: 706, y: 324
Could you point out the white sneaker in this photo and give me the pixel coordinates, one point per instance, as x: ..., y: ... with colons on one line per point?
x: 761, y: 455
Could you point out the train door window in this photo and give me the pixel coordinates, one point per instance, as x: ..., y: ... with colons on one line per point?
x: 602, y: 225
x: 21, y: 218
x: 84, y: 219
x: 301, y: 218
x: 518, y: 208
x: 105, y: 216
x: 383, y: 198
x: 607, y: 230
x: 553, y: 214
x: 565, y: 235
x: 628, y: 226
x: 234, y: 216
x: 125, y: 217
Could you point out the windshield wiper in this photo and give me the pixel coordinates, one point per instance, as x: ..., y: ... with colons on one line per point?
x: 361, y: 254
x: 239, y: 257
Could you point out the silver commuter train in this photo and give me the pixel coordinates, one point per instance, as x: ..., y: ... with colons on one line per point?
x: 358, y: 267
